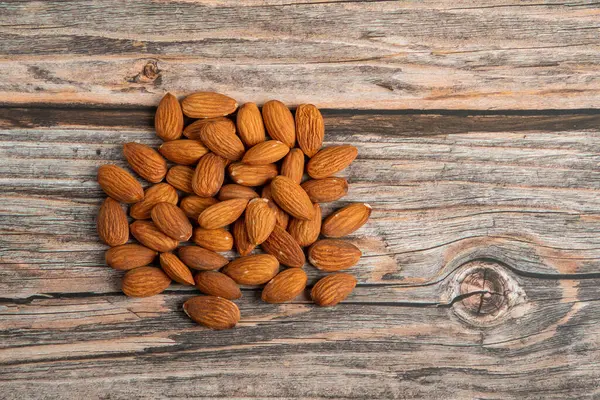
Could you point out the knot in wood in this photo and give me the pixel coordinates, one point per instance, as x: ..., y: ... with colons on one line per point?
x: 151, y: 70
x: 150, y: 73
x: 483, y: 291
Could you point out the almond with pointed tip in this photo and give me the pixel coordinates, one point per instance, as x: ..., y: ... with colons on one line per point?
x: 282, y: 246
x: 260, y: 220
x: 282, y: 217
x: 332, y: 289
x: 180, y: 177
x: 193, y: 206
x: 252, y: 270
x: 346, y: 220
x: 222, y: 214
x: 150, y: 236
x: 192, y: 131
x: 306, y: 232
x: 293, y: 165
x: 176, y: 269
x: 213, y: 312
x: 221, y: 139
x: 201, y: 259
x: 119, y: 184
x: 279, y: 122
x: 168, y: 120
x: 325, y: 190
x: 145, y: 282
x: 159, y: 193
x: 333, y: 255
x: 310, y: 129
x: 209, y: 175
x: 172, y: 221
x: 146, y: 161
x: 129, y: 256
x: 331, y: 160
x: 183, y: 151
x: 252, y: 175
x: 285, y: 286
x: 208, y: 105
x: 213, y: 239
x: 217, y: 284
x: 113, y: 228
x: 240, y: 237
x: 250, y: 125
x: 235, y: 191
x: 265, y: 153
x: 291, y: 198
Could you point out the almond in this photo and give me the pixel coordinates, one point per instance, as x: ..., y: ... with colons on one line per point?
x: 332, y: 289
x: 279, y: 122
x: 160, y: 193
x: 213, y: 312
x: 129, y: 256
x: 265, y: 153
x: 201, y: 259
x: 250, y: 125
x: 283, y: 246
x: 145, y: 161
x: 180, y: 177
x: 293, y: 165
x: 172, y: 221
x: 113, y: 228
x: 208, y: 105
x: 306, y: 232
x: 193, y: 206
x: 192, y: 131
x: 291, y: 198
x: 260, y: 220
x: 119, y: 184
x: 235, y: 191
x: 213, y: 239
x: 221, y: 139
x: 217, y: 284
x: 333, y: 255
x: 176, y: 269
x: 285, y: 286
x: 346, y: 220
x: 252, y: 175
x: 310, y: 129
x: 168, y: 120
x: 240, y: 236
x: 282, y: 217
x: 183, y: 151
x: 222, y: 214
x: 150, y: 236
x: 325, y: 190
x: 331, y: 160
x: 209, y: 175
x: 252, y: 270
x: 145, y: 282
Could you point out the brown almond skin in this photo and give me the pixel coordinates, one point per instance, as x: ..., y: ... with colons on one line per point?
x: 113, y: 228
x: 119, y: 184
x: 176, y: 269
x: 279, y: 122
x: 283, y: 246
x: 252, y: 175
x: 150, y: 236
x: 193, y: 206
x: 285, y: 286
x: 180, y: 177
x: 222, y: 214
x: 192, y: 131
x: 217, y: 284
x: 213, y: 312
x: 306, y: 232
x: 183, y: 151
x: 250, y: 125
x: 221, y: 139
x: 333, y: 255
x: 209, y: 175
x: 145, y: 282
x: 346, y: 220
x: 129, y: 256
x: 159, y: 193
x: 325, y: 190
x: 310, y: 129
x: 208, y: 105
x: 168, y: 120
x: 201, y: 259
x: 282, y: 217
x: 146, y: 161
x: 235, y: 191
x: 291, y: 198
x: 293, y: 165
x: 265, y: 153
x: 331, y: 160
x: 260, y: 220
x: 252, y: 270
x: 332, y: 289
x: 240, y: 237
x: 172, y: 221
x: 213, y: 239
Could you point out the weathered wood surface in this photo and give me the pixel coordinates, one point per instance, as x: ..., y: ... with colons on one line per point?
x: 338, y: 54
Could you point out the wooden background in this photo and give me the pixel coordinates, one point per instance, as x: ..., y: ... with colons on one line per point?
x: 478, y: 128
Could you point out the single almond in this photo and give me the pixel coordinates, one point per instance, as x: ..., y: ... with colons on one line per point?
x: 282, y: 217
x: 209, y: 175
x: 333, y: 255
x: 213, y: 239
x: 208, y: 105
x: 265, y: 153
x: 331, y: 160
x: 293, y: 165
x: 332, y: 289
x: 145, y: 282
x: 283, y: 246
x: 113, y: 228
x: 168, y: 120
x: 260, y: 220
x: 129, y: 256
x: 176, y: 269
x: 193, y: 206
x: 285, y: 286
x: 119, y: 184
x: 306, y: 232
x: 180, y: 177
x: 310, y: 129
x: 192, y: 131
x: 183, y: 151
x: 159, y: 193
x: 325, y: 190
x: 213, y: 312
x: 222, y: 214
x: 150, y: 236
x: 217, y: 284
x: 146, y: 161
x: 291, y: 198
x: 346, y: 220
x: 240, y: 236
x: 252, y: 175
x: 279, y: 122
x: 201, y: 259
x: 221, y: 139
x: 235, y: 191
x: 252, y: 270
x: 172, y: 221
x: 250, y: 125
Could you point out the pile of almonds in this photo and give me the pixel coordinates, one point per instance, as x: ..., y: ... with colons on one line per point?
x: 266, y: 204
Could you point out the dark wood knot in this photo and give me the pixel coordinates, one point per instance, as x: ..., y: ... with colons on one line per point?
x: 150, y: 73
